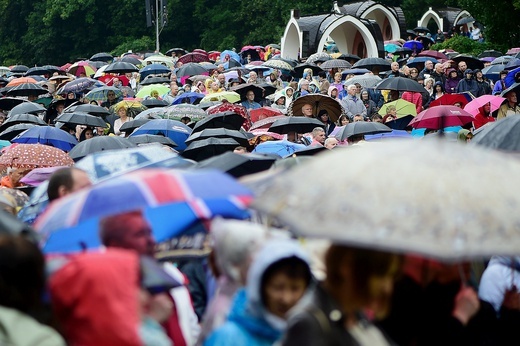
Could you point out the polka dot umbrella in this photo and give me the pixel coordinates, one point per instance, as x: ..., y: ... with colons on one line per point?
x: 34, y: 156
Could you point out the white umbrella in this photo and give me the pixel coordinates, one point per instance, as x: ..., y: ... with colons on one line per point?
x: 443, y: 200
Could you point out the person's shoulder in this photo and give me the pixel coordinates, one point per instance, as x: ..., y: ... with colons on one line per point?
x: 228, y: 331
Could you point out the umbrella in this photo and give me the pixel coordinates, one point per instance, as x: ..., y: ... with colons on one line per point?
x: 238, y: 136
x: 189, y: 97
x: 421, y: 29
x: 502, y: 60
x: 238, y: 165
x: 8, y: 103
x: 318, y: 57
x: 408, y: 207
x: 150, y: 79
x: 37, y: 71
x: 229, y: 96
x: 348, y: 57
x: 492, y: 72
x: 229, y: 54
x: 154, y: 103
x: 100, y: 143
x: 366, y: 81
x: 130, y: 126
x: 103, y: 165
x: 263, y: 112
x: 465, y: 20
x: 420, y: 61
x: 154, y: 69
x: 278, y: 64
x: 206, y: 148
x: 361, y: 128
x: 500, y: 135
x: 318, y: 102
x: 400, y: 84
x: 176, y: 112
x: 413, y: 45
x: 490, y: 53
x: 242, y: 90
x: 88, y: 108
x: 511, y: 64
x: 226, y: 106
x: 378, y: 64
x: 78, y: 118
x: 102, y: 57
x: 472, y: 62
x: 193, y: 57
x: 510, y: 51
x: 308, y: 151
x: 388, y: 135
x: 474, y: 105
x: 433, y: 54
x: 335, y: 63
x: 295, y: 124
x: 27, y: 107
x: 131, y: 60
x: 150, y: 139
x: 81, y: 67
x: 204, y: 195
x: 34, y: 156
x: 146, y: 90
x: 160, y: 59
x: 173, y: 129
x: 266, y: 122
x: 400, y: 123
x: 27, y: 89
x: 13, y: 131
x: 19, y: 69
x: 280, y: 148
x: 121, y: 67
x: 38, y: 175
x: 21, y: 80
x: 228, y: 120
x: 403, y: 108
x: 80, y: 85
x: 440, y: 117
x: 190, y: 69
x: 47, y: 135
x: 22, y: 118
x: 100, y: 93
x: 152, y: 113
x: 450, y: 100
x: 178, y: 51
x: 298, y: 69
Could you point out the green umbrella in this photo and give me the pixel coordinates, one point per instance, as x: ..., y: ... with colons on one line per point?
x: 403, y: 108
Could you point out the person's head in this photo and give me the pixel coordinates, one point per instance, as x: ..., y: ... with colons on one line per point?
x: 361, y: 278
x: 307, y: 110
x: 376, y: 118
x: 352, y: 89
x: 185, y: 120
x: 486, y: 109
x: 438, y: 87
x: 428, y: 65
x: 458, y: 104
x: 87, y: 133
x: 395, y: 66
x: 16, y: 174
x: 358, y: 117
x: 240, y: 150
x: 289, y: 91
x: 65, y: 181
x: 221, y: 79
x: 304, y: 85
x: 128, y: 230
x: 428, y: 83
x: 111, y: 95
x: 323, y: 116
x: 452, y: 74
x: 343, y: 120
x: 122, y: 112
x: 337, y: 77
x: 503, y: 74
x: 322, y: 75
x: 331, y: 143
x: 154, y: 94
x: 462, y: 66
x: 116, y: 82
x: 215, y: 87
x: 59, y: 107
x: 250, y: 95
x: 2, y: 118
x: 439, y: 68
x: 253, y: 75
x: 365, y: 96
x: 420, y: 80
x: 280, y: 100
x: 465, y: 136
x: 414, y: 72
x: 174, y: 88
x: 511, y: 98
x: 468, y: 74
x: 318, y: 134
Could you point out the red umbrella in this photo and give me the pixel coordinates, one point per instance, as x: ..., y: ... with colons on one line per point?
x: 266, y: 123
x: 225, y: 106
x: 193, y: 57
x: 433, y: 54
x: 450, y: 100
x: 214, y: 55
x: 440, y: 117
x: 264, y: 112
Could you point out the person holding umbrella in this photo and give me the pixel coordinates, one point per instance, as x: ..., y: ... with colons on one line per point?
x: 510, y: 107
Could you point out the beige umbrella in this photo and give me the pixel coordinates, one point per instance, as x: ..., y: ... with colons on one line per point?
x: 436, y: 198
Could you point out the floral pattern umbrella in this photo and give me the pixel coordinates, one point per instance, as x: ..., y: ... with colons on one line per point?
x: 230, y: 107
x: 34, y: 156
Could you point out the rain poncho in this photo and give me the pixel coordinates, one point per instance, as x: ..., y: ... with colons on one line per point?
x: 501, y: 274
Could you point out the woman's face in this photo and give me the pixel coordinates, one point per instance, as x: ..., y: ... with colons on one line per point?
x: 282, y: 293
x: 337, y: 78
x: 289, y: 92
x: 364, y: 96
x: 438, y: 88
x: 344, y: 121
x: 121, y: 112
x: 281, y: 101
x: 429, y: 84
x: 89, y: 134
x: 334, y: 92
x: 308, y: 77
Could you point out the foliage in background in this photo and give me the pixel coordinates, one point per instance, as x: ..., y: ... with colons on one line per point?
x: 463, y: 44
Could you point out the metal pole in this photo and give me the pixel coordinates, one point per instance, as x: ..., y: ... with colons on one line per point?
x: 157, y: 25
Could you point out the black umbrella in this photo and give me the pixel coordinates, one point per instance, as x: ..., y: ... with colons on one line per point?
x: 19, y: 69
x: 490, y: 53
x: 503, y: 134
x: 78, y: 118
x: 206, y: 148
x: 23, y: 118
x: 27, y: 89
x: 299, y: 69
x: 242, y: 89
x: 238, y: 165
x: 233, y: 63
x: 121, y: 67
x: 240, y: 137
x: 12, y: 131
x: 154, y: 103
x: 373, y: 64
x: 100, y: 143
x: 131, y: 60
x: 90, y: 109
x: 131, y: 125
x: 178, y: 51
x: 514, y: 86
x: 400, y: 84
x: 102, y: 57
x: 335, y: 63
x: 37, y: 71
x: 97, y: 64
x: 421, y: 29
x: 318, y: 102
x: 154, y: 80
x: 8, y: 103
x: 465, y: 20
x: 361, y: 128
x: 295, y: 124
x: 349, y: 57
x: 191, y: 69
x: 208, y: 104
x: 472, y: 62
x: 310, y: 151
x: 27, y: 107
x: 269, y: 89
x: 147, y: 139
x: 228, y: 120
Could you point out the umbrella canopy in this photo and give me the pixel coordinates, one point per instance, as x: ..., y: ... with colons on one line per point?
x: 193, y: 57
x: 23, y: 118
x: 100, y: 143
x: 176, y: 112
x: 474, y: 105
x: 229, y: 96
x: 177, y: 51
x: 421, y: 29
x: 512, y: 64
x: 82, y: 67
x: 295, y: 124
x: 502, y: 60
x: 131, y: 125
x: 395, y: 134
x: 440, y: 117
x: 151, y: 139
x: 492, y: 72
x: 89, y: 109
x: 121, y: 67
x: 419, y: 62
x: 132, y: 60
x: 154, y: 103
x: 319, y: 102
x: 154, y: 69
x: 34, y: 156
x: 8, y: 103
x: 27, y: 89
x: 335, y: 63
x: 281, y: 148
x: 102, y: 57
x: 19, y: 69
x: 206, y: 148
x: 450, y: 100
x: 17, y: 81
x: 240, y: 137
x: 100, y: 93
x: 490, y: 53
x: 238, y: 165
x: 503, y: 134
x: 189, y: 97
x: 242, y: 90
x: 154, y: 80
x: 361, y: 128
x: 227, y: 120
x: 408, y: 208
x: 371, y: 64
x: 263, y: 112
x: 433, y: 54
x: 413, y: 45
x: 37, y: 71
x: 12, y: 131
x: 299, y: 69
x: 78, y: 118
x: 365, y: 80
x: 266, y: 122
x: 403, y: 108
x: 318, y: 57
x: 226, y: 106
x: 173, y: 129
x: 472, y: 62
x: 400, y: 84
x: 278, y: 64
x: 191, y: 69
x: 48, y: 135
x: 147, y: 90
x: 185, y: 196
x: 80, y: 85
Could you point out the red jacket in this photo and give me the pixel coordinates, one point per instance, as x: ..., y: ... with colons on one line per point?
x: 415, y: 98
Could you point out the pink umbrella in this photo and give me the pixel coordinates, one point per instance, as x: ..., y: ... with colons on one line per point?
x: 473, y: 106
x: 440, y: 117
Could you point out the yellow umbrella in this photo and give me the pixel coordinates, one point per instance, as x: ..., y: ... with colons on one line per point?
x: 230, y: 96
x: 133, y: 107
x: 403, y: 108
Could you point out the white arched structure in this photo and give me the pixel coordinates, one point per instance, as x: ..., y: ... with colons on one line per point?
x: 379, y: 14
x: 431, y: 14
x: 461, y: 15
x: 292, y: 39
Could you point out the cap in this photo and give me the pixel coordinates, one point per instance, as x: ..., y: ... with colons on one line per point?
x: 468, y: 71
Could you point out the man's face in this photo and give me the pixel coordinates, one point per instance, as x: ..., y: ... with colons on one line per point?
x: 358, y: 118
x: 116, y: 82
x: 511, y: 97
x: 439, y: 69
x: 395, y: 66
x: 221, y: 79
x: 429, y: 65
x: 111, y: 95
x: 352, y: 91
x: 250, y: 96
x: 80, y: 180
x: 331, y: 143
x: 307, y: 110
x: 174, y: 88
x: 462, y: 66
x: 305, y: 85
x: 320, y: 137
x: 138, y: 236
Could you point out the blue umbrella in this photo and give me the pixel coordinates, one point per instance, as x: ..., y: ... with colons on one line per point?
x: 191, y: 97
x: 4, y: 143
x: 421, y: 60
x: 47, y: 135
x: 413, y: 45
x: 153, y: 69
x: 393, y: 134
x: 492, y: 72
x: 173, y: 129
x: 281, y: 148
x: 231, y: 54
x: 510, y: 78
x: 512, y: 64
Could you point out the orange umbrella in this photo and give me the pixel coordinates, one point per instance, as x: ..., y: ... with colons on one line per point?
x: 21, y: 80
x: 34, y: 156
